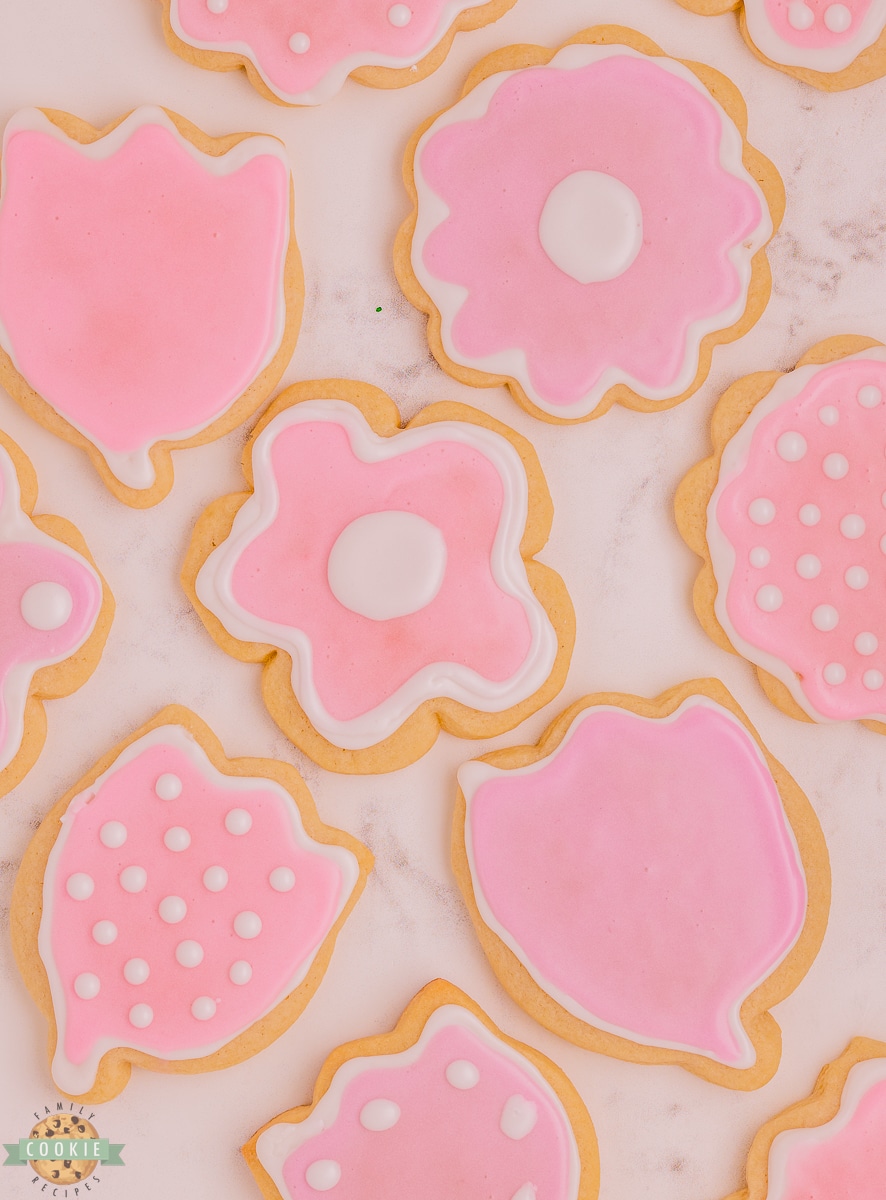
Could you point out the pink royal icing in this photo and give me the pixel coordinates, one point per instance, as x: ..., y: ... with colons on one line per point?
x: 180, y: 905
x: 50, y: 599
x: 818, y: 34
x: 797, y: 534
x: 304, y: 50
x: 611, y: 187
x: 141, y: 280
x: 460, y: 1113
x: 389, y: 568
x: 678, y: 885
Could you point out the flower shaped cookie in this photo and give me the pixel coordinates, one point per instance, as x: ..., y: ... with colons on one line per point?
x: 830, y: 45
x: 691, y: 886
x: 302, y: 51
x: 384, y: 576
x: 150, y: 287
x: 54, y: 614
x: 445, y: 1106
x: 587, y: 227
x: 187, y: 907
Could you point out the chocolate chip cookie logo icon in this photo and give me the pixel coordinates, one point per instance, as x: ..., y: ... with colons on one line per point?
x: 64, y: 1150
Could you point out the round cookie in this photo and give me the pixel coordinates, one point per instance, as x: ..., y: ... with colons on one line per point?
x: 67, y: 1171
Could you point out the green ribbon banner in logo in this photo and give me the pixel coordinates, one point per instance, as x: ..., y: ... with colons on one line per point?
x: 58, y: 1149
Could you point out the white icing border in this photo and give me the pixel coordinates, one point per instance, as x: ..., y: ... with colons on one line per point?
x: 17, y: 526
x: 134, y: 468
x: 448, y: 298
x: 829, y: 59
x: 78, y: 1078
x: 471, y: 777
x: 733, y: 463
x: 283, y: 1138
x: 452, y: 680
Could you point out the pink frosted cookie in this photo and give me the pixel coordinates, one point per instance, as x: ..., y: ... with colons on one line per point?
x: 55, y: 613
x: 831, y: 1146
x: 150, y: 285
x: 790, y: 517
x: 647, y: 881
x: 445, y: 1107
x: 384, y: 576
x: 588, y: 224
x: 176, y: 909
x: 302, y: 51
x: 830, y: 45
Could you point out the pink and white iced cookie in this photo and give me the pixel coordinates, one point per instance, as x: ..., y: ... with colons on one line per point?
x: 795, y: 532
x: 830, y: 45
x: 384, y: 576
x: 302, y: 51
x: 832, y: 1144
x: 177, y: 910
x: 55, y: 613
x: 445, y: 1106
x: 647, y: 881
x: 587, y: 227
x: 150, y: 285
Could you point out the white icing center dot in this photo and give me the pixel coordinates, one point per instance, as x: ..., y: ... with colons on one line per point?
x: 825, y: 617
x: 808, y: 566
x: 323, y: 1174
x: 518, y: 1117
x: 866, y: 643
x: 172, y: 909
x: 829, y: 415
x: 282, y: 879
x: 299, y: 43
x: 810, y: 514
x: 189, y: 954
x: 769, y: 598
x: 87, y: 985
x: 80, y: 886
x: 761, y: 511
x: 168, y: 787
x: 399, y: 15
x: 247, y: 924
x: 852, y: 526
x: 104, y: 932
x: 112, y: 834
x: 177, y: 838
x: 141, y: 1015
x: 856, y: 578
x: 591, y: 226
x: 869, y: 396
x: 136, y: 971
x: 379, y: 1115
x: 835, y: 466
x: 837, y: 18
x: 872, y: 680
x: 387, y: 564
x: 462, y: 1074
x: 238, y: 821
x: 203, y: 1008
x: 791, y: 446
x: 240, y: 972
x: 834, y: 674
x: 47, y: 605
x: 217, y: 6
x: 800, y: 15
x: 215, y: 879
x: 133, y: 879
x: 759, y: 557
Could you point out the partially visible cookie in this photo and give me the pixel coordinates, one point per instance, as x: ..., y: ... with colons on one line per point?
x: 55, y: 614
x: 445, y: 1107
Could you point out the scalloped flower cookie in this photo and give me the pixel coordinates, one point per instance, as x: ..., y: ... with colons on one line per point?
x: 150, y: 285
x: 831, y: 1145
x: 177, y: 908
x: 384, y: 575
x: 445, y: 1106
x: 691, y: 886
x: 830, y: 45
x: 302, y: 51
x: 790, y: 517
x: 55, y: 613
x: 587, y: 227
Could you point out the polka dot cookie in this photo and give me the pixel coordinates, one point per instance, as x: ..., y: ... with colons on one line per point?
x: 446, y: 1105
x: 302, y: 52
x: 176, y: 906
x: 794, y: 510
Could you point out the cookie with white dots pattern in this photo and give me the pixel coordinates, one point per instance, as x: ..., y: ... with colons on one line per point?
x: 789, y: 515
x: 177, y: 909
x: 446, y: 1105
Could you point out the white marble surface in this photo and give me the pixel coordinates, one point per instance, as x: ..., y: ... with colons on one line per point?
x: 662, y: 1132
